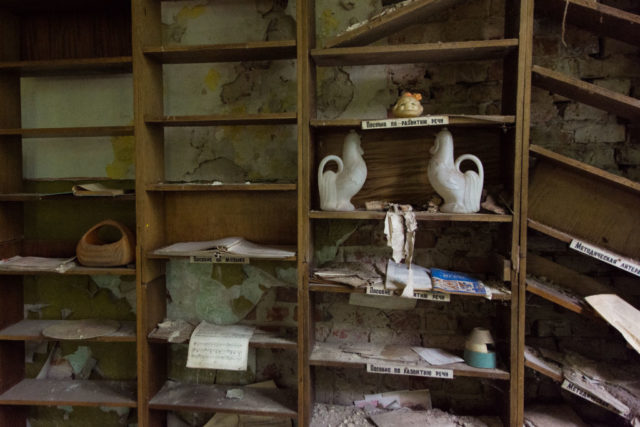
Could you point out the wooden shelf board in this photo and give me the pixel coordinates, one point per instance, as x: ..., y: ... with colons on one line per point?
x: 69, y: 132
x: 326, y: 354
x: 250, y: 51
x: 420, y: 216
x: 35, y: 197
x: 390, y: 22
x: 587, y: 93
x: 77, y: 270
x: 584, y: 168
x: 153, y: 255
x: 31, y: 330
x: 262, y: 119
x: 212, y: 398
x: 454, y: 120
x: 549, y: 293
x: 414, y: 53
x: 551, y: 371
x: 317, y: 286
x: 260, y: 339
x: 223, y: 187
x: 47, y: 392
x: 550, y: 231
x: 120, y: 64
x: 597, y: 17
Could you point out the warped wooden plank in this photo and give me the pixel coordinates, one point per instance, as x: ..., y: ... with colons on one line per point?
x: 77, y: 270
x: 121, y: 64
x: 88, y: 131
x: 573, y: 204
x: 585, y: 168
x: 331, y: 354
x: 454, y: 120
x: 414, y: 53
x: 389, y: 21
x: 597, y: 17
x: 261, y: 119
x: 71, y: 393
x: 31, y: 330
x: 250, y: 51
x: 550, y: 293
x: 420, y: 216
x: 212, y: 398
x: 587, y: 93
x: 34, y: 197
x: 548, y: 369
x: 579, y: 283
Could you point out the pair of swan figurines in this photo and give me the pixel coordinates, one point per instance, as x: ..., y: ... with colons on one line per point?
x: 460, y: 191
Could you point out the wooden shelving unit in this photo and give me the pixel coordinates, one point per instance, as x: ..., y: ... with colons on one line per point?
x: 570, y: 200
x: 396, y: 167
x: 44, y: 39
x: 194, y: 211
x: 287, y: 213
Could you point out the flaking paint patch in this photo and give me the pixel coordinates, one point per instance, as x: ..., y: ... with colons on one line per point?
x: 330, y: 235
x: 123, y: 157
x: 212, y: 79
x: 328, y: 23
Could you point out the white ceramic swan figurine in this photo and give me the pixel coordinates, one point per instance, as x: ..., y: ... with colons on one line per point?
x: 461, y: 191
x: 337, y: 188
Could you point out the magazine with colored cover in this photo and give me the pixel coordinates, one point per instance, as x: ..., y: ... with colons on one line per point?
x: 453, y: 282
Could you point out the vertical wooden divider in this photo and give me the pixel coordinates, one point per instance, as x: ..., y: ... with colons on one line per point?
x: 151, y: 300
x: 12, y: 353
x: 305, y: 11
x: 515, y: 67
x: 526, y: 51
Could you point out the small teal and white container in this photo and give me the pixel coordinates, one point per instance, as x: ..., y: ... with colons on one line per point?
x: 478, y: 351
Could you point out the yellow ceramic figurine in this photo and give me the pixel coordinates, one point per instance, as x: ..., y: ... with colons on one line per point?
x: 408, y: 105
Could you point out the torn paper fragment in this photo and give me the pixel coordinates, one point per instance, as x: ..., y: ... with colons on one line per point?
x: 394, y: 230
x: 219, y: 347
x: 410, y: 226
x: 174, y: 331
x: 620, y: 314
x: 437, y: 356
x: 398, y: 277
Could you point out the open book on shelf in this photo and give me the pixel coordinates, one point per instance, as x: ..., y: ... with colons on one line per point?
x: 237, y: 246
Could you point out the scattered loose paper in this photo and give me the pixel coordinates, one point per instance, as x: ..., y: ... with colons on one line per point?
x: 394, y: 230
x: 219, y: 347
x: 416, y: 399
x: 437, y: 356
x: 398, y: 277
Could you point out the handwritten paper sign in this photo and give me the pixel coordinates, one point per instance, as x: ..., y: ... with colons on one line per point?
x: 393, y: 369
x: 219, y: 347
x: 403, y: 123
x: 606, y: 256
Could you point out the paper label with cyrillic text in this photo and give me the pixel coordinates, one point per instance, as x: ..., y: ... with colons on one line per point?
x: 603, y: 255
x: 381, y: 368
x: 405, y: 122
